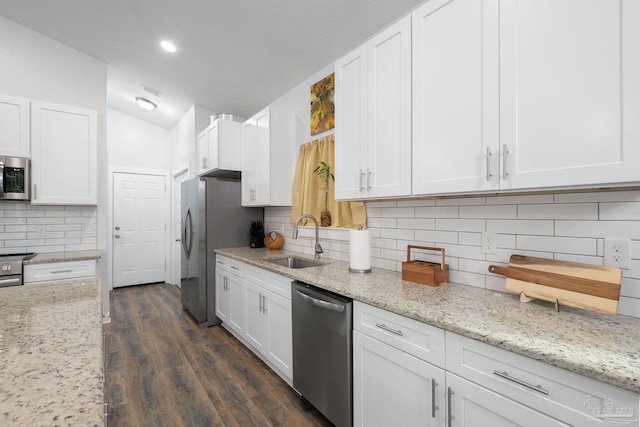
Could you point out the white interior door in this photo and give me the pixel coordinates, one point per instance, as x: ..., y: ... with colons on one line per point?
x: 176, y: 246
x: 139, y: 229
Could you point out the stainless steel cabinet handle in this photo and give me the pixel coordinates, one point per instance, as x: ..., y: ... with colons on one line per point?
x: 260, y: 304
x: 204, y: 162
x: 368, y: 179
x: 505, y: 162
x: 434, y: 408
x: 9, y: 281
x: 220, y: 262
x: 361, y: 180
x: 450, y: 417
x: 235, y: 268
x: 508, y: 377
x: 106, y: 414
x: 35, y: 191
x: 264, y: 304
x: 388, y: 329
x: 489, y: 174
x: 61, y: 271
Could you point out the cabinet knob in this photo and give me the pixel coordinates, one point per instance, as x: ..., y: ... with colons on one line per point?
x: 117, y: 228
x: 117, y: 236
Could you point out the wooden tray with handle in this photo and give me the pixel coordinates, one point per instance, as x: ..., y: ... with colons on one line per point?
x: 590, y: 287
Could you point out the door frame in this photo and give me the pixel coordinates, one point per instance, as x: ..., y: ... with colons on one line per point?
x: 167, y: 216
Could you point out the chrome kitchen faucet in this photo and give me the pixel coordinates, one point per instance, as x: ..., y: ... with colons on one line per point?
x: 295, y: 233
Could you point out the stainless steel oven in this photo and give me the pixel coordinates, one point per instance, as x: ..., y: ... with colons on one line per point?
x: 11, y: 269
x: 15, y: 178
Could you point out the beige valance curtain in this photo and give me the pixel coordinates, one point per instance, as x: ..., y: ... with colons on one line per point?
x: 308, y: 188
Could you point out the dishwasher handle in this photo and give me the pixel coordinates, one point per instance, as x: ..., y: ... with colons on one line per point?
x: 321, y: 303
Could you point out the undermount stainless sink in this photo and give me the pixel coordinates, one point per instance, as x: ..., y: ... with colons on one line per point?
x: 294, y: 262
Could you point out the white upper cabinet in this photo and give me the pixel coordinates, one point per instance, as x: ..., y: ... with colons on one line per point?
x: 268, y: 158
x: 455, y: 96
x: 14, y: 127
x: 530, y: 94
x: 220, y: 147
x: 373, y: 117
x: 569, y: 92
x: 63, y: 154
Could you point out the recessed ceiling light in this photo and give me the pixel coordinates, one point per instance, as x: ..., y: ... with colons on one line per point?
x: 168, y: 46
x: 145, y: 104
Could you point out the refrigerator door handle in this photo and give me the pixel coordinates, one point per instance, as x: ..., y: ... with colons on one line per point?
x: 190, y: 246
x: 187, y: 232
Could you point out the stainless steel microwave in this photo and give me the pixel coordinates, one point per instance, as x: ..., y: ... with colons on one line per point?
x: 15, y: 178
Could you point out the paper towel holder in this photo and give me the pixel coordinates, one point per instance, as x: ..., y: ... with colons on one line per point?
x: 358, y: 270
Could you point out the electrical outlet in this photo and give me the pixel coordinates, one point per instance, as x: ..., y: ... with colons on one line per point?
x: 40, y: 231
x: 616, y: 253
x: 88, y: 228
x: 489, y: 242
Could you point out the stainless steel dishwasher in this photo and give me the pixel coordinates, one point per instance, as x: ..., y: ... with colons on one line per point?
x: 322, y: 325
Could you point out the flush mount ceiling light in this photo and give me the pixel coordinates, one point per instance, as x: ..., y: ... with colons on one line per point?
x: 145, y: 104
x: 168, y: 46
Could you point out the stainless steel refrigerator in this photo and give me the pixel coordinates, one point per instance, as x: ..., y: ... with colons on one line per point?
x: 212, y: 217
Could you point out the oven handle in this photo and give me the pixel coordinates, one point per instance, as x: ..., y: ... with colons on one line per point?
x: 11, y: 281
x: 321, y: 303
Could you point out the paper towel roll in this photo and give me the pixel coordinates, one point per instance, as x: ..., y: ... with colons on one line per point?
x: 360, y: 251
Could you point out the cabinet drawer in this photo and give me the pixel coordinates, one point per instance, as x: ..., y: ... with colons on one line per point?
x: 256, y: 275
x: 569, y: 397
x: 419, y: 339
x: 280, y: 285
x: 59, y: 271
x: 230, y: 265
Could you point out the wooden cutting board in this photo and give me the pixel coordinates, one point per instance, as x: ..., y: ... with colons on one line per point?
x: 590, y: 287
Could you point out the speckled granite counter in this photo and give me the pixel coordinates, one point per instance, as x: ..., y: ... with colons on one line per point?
x: 606, y: 348
x: 51, y: 354
x: 63, y: 256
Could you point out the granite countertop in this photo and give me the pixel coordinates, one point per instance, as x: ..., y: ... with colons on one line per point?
x: 62, y: 256
x: 51, y: 367
x: 606, y: 348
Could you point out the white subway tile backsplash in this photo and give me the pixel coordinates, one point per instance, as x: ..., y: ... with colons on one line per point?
x: 486, y: 212
x: 564, y: 226
x: 437, y: 212
x: 625, y: 211
x: 603, y: 229
x: 581, y: 211
x: 417, y: 224
x: 436, y: 236
x: 63, y: 227
x: 531, y: 227
x: 460, y: 224
x: 557, y: 244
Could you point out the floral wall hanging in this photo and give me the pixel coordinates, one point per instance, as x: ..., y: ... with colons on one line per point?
x: 322, y: 108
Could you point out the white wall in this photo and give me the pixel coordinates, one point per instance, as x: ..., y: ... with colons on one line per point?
x: 136, y: 144
x: 37, y: 67
x: 183, y: 138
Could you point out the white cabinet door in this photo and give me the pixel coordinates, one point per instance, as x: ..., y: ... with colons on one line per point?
x: 222, y: 296
x: 472, y: 405
x: 63, y: 154
x: 455, y: 96
x: 249, y: 161
x: 373, y: 117
x: 237, y: 296
x: 262, y: 185
x: 389, y: 112
x: 569, y: 92
x: 256, y: 327
x: 213, y: 146
x: 203, y: 152
x: 228, y: 142
x: 14, y: 126
x: 351, y: 124
x: 279, y: 341
x: 391, y: 387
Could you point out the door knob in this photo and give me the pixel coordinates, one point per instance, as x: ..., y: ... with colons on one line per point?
x: 117, y: 236
x: 117, y: 228
x: 178, y: 240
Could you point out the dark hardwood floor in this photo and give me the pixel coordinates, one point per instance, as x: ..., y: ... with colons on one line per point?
x: 162, y: 370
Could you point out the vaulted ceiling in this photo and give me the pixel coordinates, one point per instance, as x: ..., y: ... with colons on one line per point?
x: 234, y: 56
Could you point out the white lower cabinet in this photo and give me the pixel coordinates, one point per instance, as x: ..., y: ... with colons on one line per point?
x: 54, y: 271
x: 470, y: 405
x: 255, y: 305
x: 391, y: 387
x: 402, y: 375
